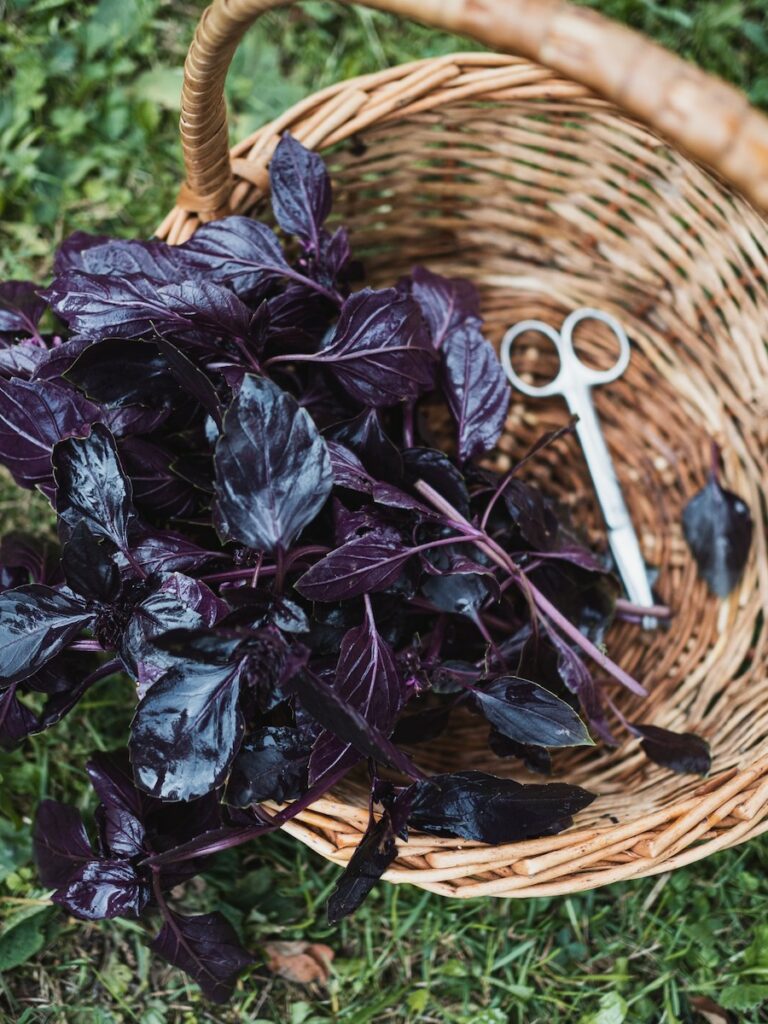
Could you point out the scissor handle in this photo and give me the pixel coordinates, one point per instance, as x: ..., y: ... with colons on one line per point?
x: 572, y: 369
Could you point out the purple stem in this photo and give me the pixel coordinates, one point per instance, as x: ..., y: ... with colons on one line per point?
x: 502, y: 559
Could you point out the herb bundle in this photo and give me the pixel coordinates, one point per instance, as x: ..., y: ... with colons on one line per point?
x: 253, y: 525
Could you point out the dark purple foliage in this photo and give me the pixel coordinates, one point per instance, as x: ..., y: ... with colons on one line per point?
x: 254, y: 526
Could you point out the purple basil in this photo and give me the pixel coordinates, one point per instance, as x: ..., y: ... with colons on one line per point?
x: 257, y: 526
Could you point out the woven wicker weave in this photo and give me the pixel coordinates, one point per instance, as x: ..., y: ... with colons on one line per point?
x: 548, y: 189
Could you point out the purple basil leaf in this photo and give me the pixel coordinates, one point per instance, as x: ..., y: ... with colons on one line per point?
x: 576, y: 555
x: 61, y: 843
x: 487, y: 809
x: 187, y: 729
x: 143, y: 376
x: 373, y: 855
x: 88, y: 564
x: 681, y: 752
x: 348, y: 470
x: 99, y: 305
x: 157, y: 490
x: 36, y: 556
x: 191, y: 378
x: 104, y: 889
x: 367, y: 679
x: 273, y: 473
x: 446, y: 303
x: 535, y: 759
x: 366, y: 438
x: 379, y: 351
x: 579, y: 680
x: 235, y: 251
x: 333, y: 713
x: 531, y: 514
x: 361, y: 566
x: 422, y: 726
x: 203, y: 306
x: 206, y: 948
x: 91, y: 485
x: 527, y: 713
x: 20, y: 308
x: 167, y: 551
x: 36, y: 622
x: 335, y: 254
x: 178, y: 603
x: 457, y: 593
x: 17, y: 721
x: 718, y: 527
x: 117, y: 257
x: 270, y: 765
x: 436, y: 469
x: 476, y: 388
x: 121, y: 810
x: 300, y: 190
x: 34, y: 416
x: 23, y: 359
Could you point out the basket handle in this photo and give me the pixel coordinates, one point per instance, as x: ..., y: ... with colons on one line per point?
x: 691, y: 109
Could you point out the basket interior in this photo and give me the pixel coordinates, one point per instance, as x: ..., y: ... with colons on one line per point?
x: 549, y: 205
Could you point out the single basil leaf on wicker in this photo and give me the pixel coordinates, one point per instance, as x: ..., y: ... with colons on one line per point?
x: 187, y: 729
x: 527, y: 713
x: 373, y: 855
x: 273, y: 473
x: 476, y: 388
x: 95, y: 305
x: 61, y: 843
x: 104, y: 889
x: 300, y: 190
x: 361, y: 566
x: 178, y: 603
x: 34, y: 416
x: 379, y: 351
x: 206, y: 948
x: 157, y: 490
x: 487, y: 809
x: 270, y: 765
x: 323, y: 703
x: 17, y: 721
x: 718, y: 527
x: 191, y: 378
x: 445, y: 302
x: 679, y: 751
x: 368, y: 680
x: 91, y: 485
x: 235, y: 251
x: 20, y: 308
x: 143, y: 376
x: 535, y: 759
x: 36, y: 622
x: 88, y: 564
x: 436, y: 469
x: 96, y: 254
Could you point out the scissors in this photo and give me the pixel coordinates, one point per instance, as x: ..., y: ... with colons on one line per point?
x: 574, y: 381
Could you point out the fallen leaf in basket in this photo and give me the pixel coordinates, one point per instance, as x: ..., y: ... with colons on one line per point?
x: 301, y: 962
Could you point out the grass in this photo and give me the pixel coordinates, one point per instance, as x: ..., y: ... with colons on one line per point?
x: 88, y: 136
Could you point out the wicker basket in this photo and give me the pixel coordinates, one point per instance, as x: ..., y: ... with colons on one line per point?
x: 554, y: 185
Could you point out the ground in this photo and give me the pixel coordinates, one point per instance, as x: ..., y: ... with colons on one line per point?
x: 87, y: 133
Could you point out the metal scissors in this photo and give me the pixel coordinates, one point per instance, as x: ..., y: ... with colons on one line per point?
x: 574, y: 381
